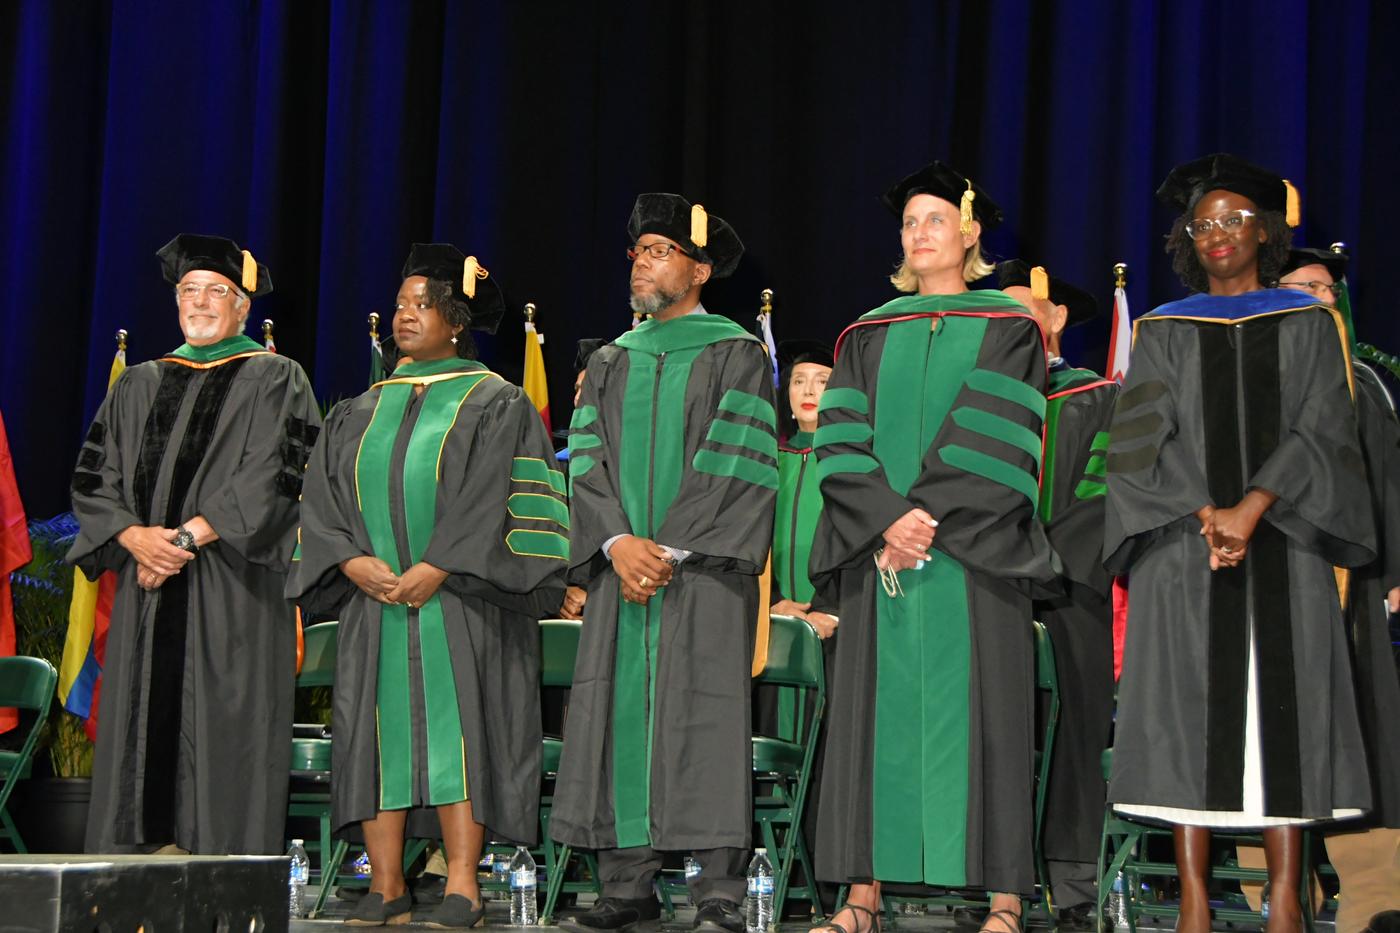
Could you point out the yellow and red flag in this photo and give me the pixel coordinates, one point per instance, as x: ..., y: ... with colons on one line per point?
x: 89, y: 617
x: 534, y: 383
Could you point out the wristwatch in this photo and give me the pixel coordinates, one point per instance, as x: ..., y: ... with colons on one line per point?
x: 184, y: 540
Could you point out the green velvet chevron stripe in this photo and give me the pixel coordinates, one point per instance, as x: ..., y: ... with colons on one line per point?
x: 537, y: 506
x: 1005, y: 387
x: 844, y: 397
x: 528, y: 542
x: 1094, y: 484
x: 584, y: 415
x: 535, y: 470
x: 842, y: 432
x: 991, y: 468
x: 756, y: 458
x: 845, y: 463
x: 999, y: 429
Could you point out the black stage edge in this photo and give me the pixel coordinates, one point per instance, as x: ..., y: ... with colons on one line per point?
x: 150, y: 893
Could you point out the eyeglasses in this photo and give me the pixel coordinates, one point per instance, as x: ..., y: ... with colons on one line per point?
x: 658, y: 251
x: 1229, y: 222
x: 190, y: 291
x: 1334, y: 287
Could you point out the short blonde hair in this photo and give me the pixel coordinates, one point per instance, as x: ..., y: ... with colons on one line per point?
x: 975, y: 266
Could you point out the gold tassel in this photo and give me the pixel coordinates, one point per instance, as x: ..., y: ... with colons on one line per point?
x: 699, y: 226
x: 965, y: 209
x: 1040, y: 283
x: 1293, y: 213
x: 471, y: 271
x: 250, y: 273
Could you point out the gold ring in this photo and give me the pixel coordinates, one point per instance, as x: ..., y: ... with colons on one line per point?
x: 646, y: 581
x: 410, y: 605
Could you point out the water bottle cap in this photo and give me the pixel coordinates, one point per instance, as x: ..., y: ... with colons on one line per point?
x: 760, y: 851
x: 298, y: 842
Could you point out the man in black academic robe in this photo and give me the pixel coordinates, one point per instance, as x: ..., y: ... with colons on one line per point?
x: 1366, y: 852
x: 187, y: 488
x: 672, y: 472
x: 1079, y: 407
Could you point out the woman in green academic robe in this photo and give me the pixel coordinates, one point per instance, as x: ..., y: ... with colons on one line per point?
x: 434, y: 525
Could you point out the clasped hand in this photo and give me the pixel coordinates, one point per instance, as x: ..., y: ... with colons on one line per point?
x: 1228, y: 531
x: 157, y: 559
x: 642, y: 566
x: 414, y: 587
x: 907, y: 541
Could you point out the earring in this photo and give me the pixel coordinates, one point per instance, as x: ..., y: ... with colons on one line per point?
x: 454, y: 340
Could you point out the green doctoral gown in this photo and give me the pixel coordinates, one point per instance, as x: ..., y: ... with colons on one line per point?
x: 438, y: 703
x: 1079, y: 408
x: 935, y: 402
x: 673, y: 440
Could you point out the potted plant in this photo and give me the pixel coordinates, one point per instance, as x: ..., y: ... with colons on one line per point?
x: 53, y: 815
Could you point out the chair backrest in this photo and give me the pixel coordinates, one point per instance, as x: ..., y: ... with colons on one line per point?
x: 318, y: 657
x: 794, y: 655
x: 27, y: 683
x: 1046, y: 677
x: 558, y: 651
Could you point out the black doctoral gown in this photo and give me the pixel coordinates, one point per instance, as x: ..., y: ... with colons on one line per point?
x: 1368, y: 622
x: 1079, y: 407
x: 1227, y: 394
x: 194, y: 736
x: 935, y: 402
x: 438, y: 703
x: 674, y: 440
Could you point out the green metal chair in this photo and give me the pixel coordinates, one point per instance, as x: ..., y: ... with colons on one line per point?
x: 311, y: 757
x: 25, y: 684
x: 1047, y: 683
x: 782, y: 765
x: 1123, y: 846
x: 558, y: 654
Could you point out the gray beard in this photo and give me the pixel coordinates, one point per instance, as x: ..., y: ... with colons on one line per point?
x: 656, y: 302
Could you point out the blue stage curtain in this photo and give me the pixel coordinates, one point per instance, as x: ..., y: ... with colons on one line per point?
x: 327, y: 136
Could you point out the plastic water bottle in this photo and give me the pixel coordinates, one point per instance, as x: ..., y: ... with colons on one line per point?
x: 524, y: 911
x: 1264, y: 902
x: 362, y: 868
x: 1118, y: 903
x: 758, y: 906
x: 692, y: 869
x: 297, y: 877
x: 500, y: 874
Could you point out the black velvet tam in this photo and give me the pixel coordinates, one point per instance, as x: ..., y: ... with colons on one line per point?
x: 1188, y: 182
x: 445, y: 262
x: 792, y: 352
x: 191, y: 251
x: 1336, y: 262
x: 944, y: 182
x: 1082, y: 306
x: 669, y: 215
x: 586, y: 348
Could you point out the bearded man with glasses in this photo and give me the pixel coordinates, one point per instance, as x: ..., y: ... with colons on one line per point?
x: 187, y: 488
x: 673, y: 475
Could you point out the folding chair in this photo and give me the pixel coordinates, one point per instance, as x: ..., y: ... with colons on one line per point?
x: 25, y: 684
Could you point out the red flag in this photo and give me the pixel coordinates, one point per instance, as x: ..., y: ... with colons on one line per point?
x: 15, y: 552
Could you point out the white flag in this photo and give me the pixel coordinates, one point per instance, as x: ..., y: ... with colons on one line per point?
x: 1120, y: 340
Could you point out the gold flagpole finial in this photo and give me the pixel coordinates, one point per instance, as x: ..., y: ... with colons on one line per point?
x: 1120, y: 274
x: 766, y: 296
x: 1338, y: 247
x: 530, y: 312
x: 267, y: 328
x: 374, y: 326
x: 121, y: 339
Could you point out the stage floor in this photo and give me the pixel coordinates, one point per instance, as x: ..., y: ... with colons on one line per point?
x: 498, y: 915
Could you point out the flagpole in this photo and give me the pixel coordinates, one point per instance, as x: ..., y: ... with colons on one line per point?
x: 765, y: 329
x: 267, y: 334
x: 1120, y: 275
x: 374, y: 327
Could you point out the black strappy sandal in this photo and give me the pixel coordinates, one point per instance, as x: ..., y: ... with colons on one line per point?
x: 1016, y: 927
x: 853, y: 908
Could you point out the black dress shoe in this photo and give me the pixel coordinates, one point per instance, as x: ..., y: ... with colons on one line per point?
x: 373, y: 911
x: 615, y: 915
x: 1078, y: 918
x: 716, y: 915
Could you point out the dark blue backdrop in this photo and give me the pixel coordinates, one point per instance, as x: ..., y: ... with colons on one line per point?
x: 326, y: 137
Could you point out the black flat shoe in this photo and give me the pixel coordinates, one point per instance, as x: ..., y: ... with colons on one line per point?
x: 372, y: 911
x: 716, y: 915
x: 1077, y: 919
x: 456, y: 912
x: 970, y: 918
x: 615, y: 915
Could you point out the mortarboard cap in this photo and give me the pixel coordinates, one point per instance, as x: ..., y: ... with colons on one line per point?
x: 1081, y: 305
x: 703, y: 236
x: 947, y: 183
x: 470, y: 281
x: 586, y: 348
x: 190, y: 251
x: 1186, y: 184
x: 1334, y: 259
